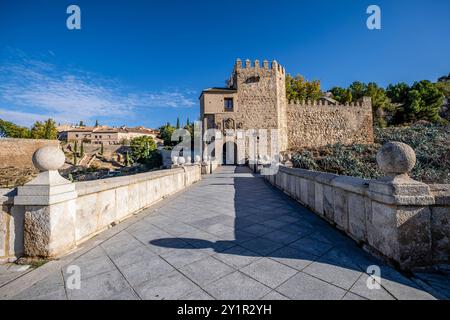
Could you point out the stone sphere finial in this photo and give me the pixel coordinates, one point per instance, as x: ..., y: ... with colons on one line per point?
x: 181, y: 160
x: 48, y: 158
x: 396, y: 158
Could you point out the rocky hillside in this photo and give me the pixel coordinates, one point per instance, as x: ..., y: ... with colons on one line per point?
x: 431, y: 143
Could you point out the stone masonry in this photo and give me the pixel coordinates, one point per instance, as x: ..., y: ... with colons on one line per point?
x: 255, y: 98
x: 18, y: 153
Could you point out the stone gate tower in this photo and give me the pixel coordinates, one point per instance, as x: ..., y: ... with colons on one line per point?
x: 255, y: 98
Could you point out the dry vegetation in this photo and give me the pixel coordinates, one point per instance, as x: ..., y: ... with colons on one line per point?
x: 431, y: 143
x: 11, y: 177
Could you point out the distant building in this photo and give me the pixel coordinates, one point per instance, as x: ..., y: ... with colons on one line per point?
x: 105, y: 134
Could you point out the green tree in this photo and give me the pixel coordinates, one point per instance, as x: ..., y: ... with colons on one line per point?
x: 11, y: 130
x: 75, y: 158
x: 398, y: 93
x: 37, y: 130
x: 50, y: 130
x: 102, y: 149
x: 297, y: 88
x: 381, y: 104
x: 358, y: 90
x: 424, y: 102
x: 44, y: 130
x: 342, y: 95
x: 81, y: 124
x: 96, y: 123
x: 128, y: 160
x: 178, y: 123
x: 75, y: 147
x: 142, y: 147
x: 165, y: 133
x: 82, y: 149
x: 443, y: 85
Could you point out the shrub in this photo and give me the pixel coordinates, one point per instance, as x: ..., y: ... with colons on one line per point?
x: 429, y: 141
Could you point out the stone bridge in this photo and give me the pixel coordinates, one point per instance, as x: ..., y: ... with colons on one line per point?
x: 230, y: 236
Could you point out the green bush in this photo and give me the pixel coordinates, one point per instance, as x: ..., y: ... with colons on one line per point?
x: 142, y: 148
x: 154, y: 161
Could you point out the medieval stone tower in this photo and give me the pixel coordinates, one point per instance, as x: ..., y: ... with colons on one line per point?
x: 255, y: 98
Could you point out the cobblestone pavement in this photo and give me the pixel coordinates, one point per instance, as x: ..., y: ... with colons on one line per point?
x: 231, y: 236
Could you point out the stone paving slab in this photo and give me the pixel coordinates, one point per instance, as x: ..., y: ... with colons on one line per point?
x: 230, y: 236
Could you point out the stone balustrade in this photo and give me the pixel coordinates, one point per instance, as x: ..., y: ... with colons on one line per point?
x: 396, y: 217
x: 53, y: 215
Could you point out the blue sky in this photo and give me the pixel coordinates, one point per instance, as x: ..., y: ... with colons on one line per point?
x: 139, y: 62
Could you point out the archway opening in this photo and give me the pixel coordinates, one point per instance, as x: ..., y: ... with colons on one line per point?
x: 229, y: 153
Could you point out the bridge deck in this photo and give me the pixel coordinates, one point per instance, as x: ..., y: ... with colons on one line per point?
x: 231, y: 236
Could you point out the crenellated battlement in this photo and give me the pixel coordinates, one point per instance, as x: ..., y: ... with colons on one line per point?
x: 248, y: 64
x: 365, y: 102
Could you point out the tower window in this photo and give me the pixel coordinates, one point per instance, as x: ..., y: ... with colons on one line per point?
x: 253, y: 79
x: 228, y: 102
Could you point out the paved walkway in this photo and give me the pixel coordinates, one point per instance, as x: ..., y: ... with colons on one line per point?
x: 231, y: 236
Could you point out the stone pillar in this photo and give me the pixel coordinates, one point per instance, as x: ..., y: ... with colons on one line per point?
x: 50, y: 207
x: 399, y: 221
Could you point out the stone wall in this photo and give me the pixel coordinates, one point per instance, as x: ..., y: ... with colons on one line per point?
x: 19, y: 152
x: 440, y: 223
x: 105, y: 202
x: 11, y: 227
x: 314, y: 125
x: 259, y: 93
x: 411, y: 234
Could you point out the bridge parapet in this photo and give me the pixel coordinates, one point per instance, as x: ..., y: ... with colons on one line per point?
x: 58, y: 215
x: 396, y: 217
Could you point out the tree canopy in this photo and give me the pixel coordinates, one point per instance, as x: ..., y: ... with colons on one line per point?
x: 142, y: 147
x: 297, y: 88
x: 422, y: 101
x: 11, y: 130
x: 399, y: 103
x: 39, y: 130
x: 443, y: 85
x: 342, y: 95
x: 143, y: 150
x: 165, y: 133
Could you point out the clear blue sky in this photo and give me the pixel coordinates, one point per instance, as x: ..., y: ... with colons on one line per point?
x: 139, y: 62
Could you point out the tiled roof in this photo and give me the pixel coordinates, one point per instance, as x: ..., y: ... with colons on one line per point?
x: 114, y: 130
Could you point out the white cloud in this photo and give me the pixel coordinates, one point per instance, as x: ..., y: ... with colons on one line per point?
x: 26, y: 118
x: 39, y: 88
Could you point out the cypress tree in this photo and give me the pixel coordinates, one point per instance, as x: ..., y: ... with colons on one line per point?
x: 82, y: 149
